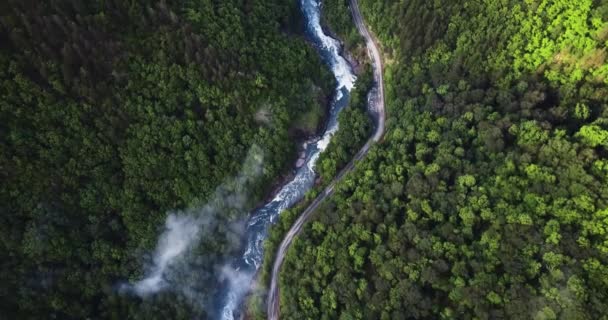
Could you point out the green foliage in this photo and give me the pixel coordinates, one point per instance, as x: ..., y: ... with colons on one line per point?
x: 354, y: 130
x: 593, y: 136
x: 338, y: 19
x: 114, y: 112
x: 487, y: 199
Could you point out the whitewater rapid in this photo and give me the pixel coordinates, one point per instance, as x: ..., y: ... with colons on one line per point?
x: 238, y: 276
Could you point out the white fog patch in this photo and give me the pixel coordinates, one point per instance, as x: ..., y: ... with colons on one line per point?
x: 239, y: 284
x: 183, y: 230
x: 177, y: 262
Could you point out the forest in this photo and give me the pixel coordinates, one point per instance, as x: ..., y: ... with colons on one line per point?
x: 488, y: 198
x: 114, y: 113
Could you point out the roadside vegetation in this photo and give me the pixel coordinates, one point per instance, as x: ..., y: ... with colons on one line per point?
x: 488, y: 197
x: 355, y: 128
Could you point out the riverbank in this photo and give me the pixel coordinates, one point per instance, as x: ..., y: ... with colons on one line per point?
x: 255, y: 301
x: 273, y: 303
x: 358, y: 62
x: 338, y: 24
x: 294, y: 190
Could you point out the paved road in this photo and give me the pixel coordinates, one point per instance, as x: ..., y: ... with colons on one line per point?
x: 378, y: 106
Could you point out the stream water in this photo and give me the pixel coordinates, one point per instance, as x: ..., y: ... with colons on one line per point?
x: 244, y: 268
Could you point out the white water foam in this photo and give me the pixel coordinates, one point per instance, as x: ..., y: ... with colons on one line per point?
x: 340, y: 67
x: 239, y: 283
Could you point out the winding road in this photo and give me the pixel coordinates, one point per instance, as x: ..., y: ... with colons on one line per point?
x: 377, y: 104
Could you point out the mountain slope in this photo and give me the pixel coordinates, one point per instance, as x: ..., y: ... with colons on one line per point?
x: 115, y: 112
x: 488, y: 197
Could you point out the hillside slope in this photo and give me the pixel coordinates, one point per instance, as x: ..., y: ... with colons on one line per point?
x: 488, y: 197
x: 116, y: 112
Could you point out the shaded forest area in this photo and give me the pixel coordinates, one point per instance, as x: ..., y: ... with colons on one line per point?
x: 488, y: 198
x: 115, y: 112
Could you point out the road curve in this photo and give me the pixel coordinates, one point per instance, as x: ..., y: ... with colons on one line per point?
x: 378, y: 106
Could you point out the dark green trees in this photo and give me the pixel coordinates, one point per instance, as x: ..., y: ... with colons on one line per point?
x: 114, y: 112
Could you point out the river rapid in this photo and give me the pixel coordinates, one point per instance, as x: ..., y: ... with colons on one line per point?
x: 239, y: 277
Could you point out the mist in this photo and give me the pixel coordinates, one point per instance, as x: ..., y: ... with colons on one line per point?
x: 180, y: 262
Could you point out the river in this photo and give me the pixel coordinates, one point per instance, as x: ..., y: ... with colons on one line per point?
x: 246, y: 266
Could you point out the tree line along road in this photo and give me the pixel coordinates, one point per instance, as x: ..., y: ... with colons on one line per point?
x: 374, y: 52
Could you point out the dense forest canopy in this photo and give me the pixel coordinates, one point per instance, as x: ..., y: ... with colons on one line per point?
x: 115, y: 112
x: 488, y: 197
